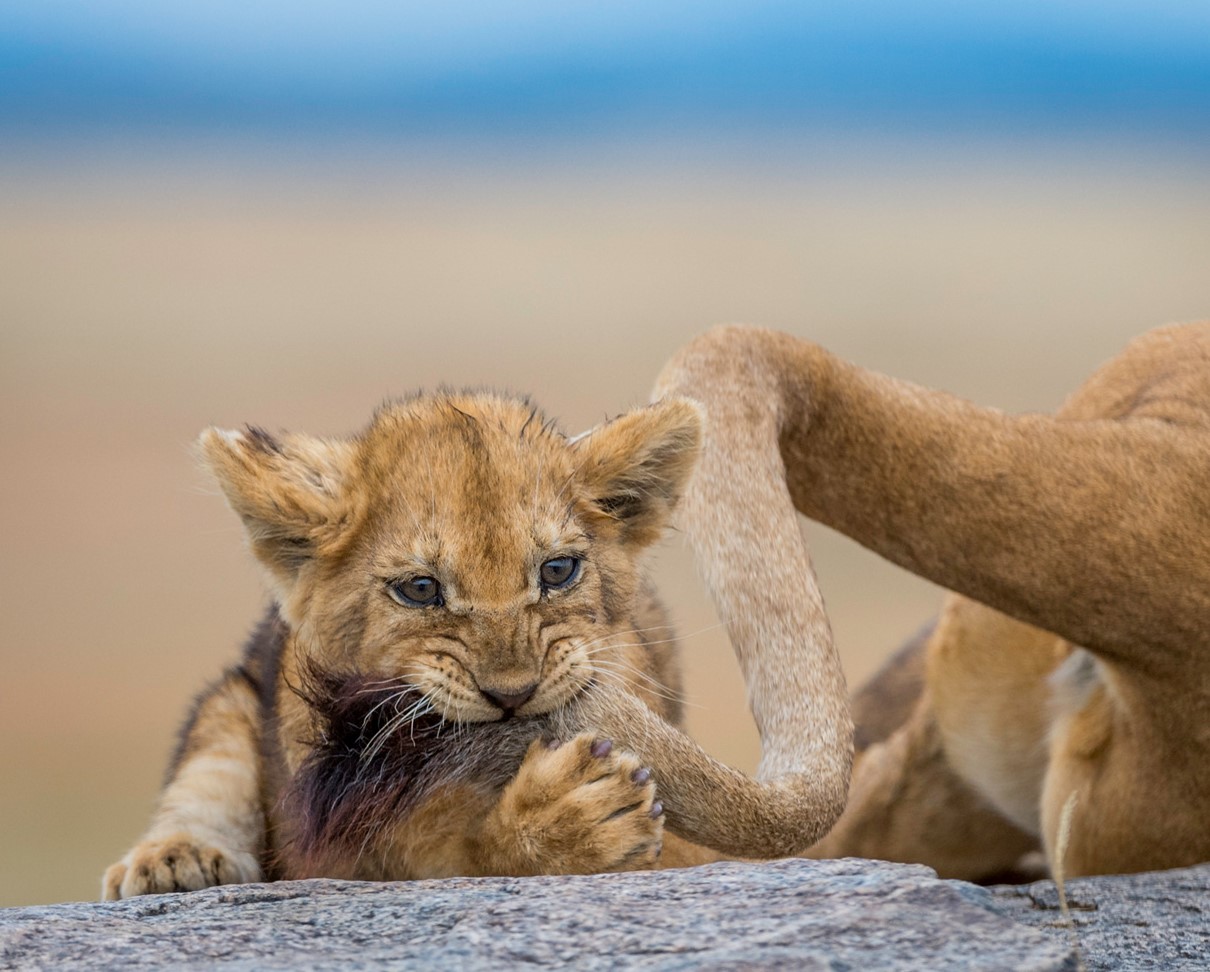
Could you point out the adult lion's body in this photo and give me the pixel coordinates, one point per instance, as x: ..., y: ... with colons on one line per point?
x: 1073, y: 664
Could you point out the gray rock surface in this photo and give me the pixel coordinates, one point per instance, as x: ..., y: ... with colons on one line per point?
x: 1135, y: 921
x: 789, y: 914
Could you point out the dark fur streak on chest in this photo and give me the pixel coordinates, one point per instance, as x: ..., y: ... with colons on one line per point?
x: 341, y: 799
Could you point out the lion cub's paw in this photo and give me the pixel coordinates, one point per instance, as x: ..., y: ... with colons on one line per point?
x: 177, y: 863
x: 578, y: 807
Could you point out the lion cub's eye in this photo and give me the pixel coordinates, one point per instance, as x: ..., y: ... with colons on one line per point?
x: 559, y: 572
x: 416, y: 592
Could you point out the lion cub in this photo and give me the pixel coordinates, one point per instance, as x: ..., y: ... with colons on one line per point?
x: 458, y: 563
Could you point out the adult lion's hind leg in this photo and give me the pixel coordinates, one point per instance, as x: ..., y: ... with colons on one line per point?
x: 208, y: 828
x: 889, y: 697
x: 907, y: 801
x: 908, y: 805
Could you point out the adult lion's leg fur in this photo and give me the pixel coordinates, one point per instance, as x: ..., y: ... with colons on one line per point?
x: 907, y: 801
x: 907, y: 804
x: 1092, y: 524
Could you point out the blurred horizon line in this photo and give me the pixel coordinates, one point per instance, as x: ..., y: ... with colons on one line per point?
x: 775, y: 151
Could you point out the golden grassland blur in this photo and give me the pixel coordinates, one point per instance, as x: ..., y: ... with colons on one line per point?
x: 138, y: 307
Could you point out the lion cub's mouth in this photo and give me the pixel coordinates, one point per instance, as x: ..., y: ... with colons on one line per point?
x: 380, y: 747
x: 533, y: 703
x: 367, y: 717
x: 459, y: 694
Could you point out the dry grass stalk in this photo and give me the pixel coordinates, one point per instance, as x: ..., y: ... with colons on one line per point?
x: 1062, y: 839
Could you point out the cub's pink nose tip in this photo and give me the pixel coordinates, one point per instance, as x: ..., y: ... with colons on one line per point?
x: 510, y: 701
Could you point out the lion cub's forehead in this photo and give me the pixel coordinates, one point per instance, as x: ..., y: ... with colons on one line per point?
x: 482, y: 476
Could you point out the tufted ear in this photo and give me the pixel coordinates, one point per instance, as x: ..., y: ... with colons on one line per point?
x: 635, y: 468
x: 290, y: 491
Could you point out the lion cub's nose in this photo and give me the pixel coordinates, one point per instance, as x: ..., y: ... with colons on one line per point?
x: 510, y: 701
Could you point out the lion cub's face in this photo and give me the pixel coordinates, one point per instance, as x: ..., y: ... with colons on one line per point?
x: 459, y: 543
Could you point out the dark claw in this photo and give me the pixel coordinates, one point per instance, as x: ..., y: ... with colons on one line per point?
x: 656, y: 809
x: 602, y: 748
x: 640, y: 776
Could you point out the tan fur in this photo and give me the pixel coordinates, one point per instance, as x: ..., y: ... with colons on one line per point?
x: 1089, y: 529
x: 476, y: 492
x: 1075, y: 657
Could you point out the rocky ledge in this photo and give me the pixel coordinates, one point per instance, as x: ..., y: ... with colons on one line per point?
x: 848, y: 914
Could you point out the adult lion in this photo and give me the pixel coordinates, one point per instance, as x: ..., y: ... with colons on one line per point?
x: 1072, y: 666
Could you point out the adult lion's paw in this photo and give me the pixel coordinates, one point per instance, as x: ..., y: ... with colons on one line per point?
x: 579, y: 807
x: 177, y: 863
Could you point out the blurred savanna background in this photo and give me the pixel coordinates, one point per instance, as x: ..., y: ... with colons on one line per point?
x: 282, y: 213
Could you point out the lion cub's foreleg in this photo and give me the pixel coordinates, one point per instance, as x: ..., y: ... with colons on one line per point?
x: 208, y: 827
x: 581, y: 807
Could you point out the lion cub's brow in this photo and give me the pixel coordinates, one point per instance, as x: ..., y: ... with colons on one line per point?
x: 477, y: 491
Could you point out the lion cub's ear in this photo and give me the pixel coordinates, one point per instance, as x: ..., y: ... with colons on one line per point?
x: 289, y: 491
x: 636, y: 466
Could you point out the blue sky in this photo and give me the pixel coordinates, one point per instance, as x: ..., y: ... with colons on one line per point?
x: 545, y: 66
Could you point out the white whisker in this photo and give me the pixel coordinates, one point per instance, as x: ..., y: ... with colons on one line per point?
x: 655, y: 627
x: 409, y: 716
x: 619, y: 679
x: 626, y: 675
